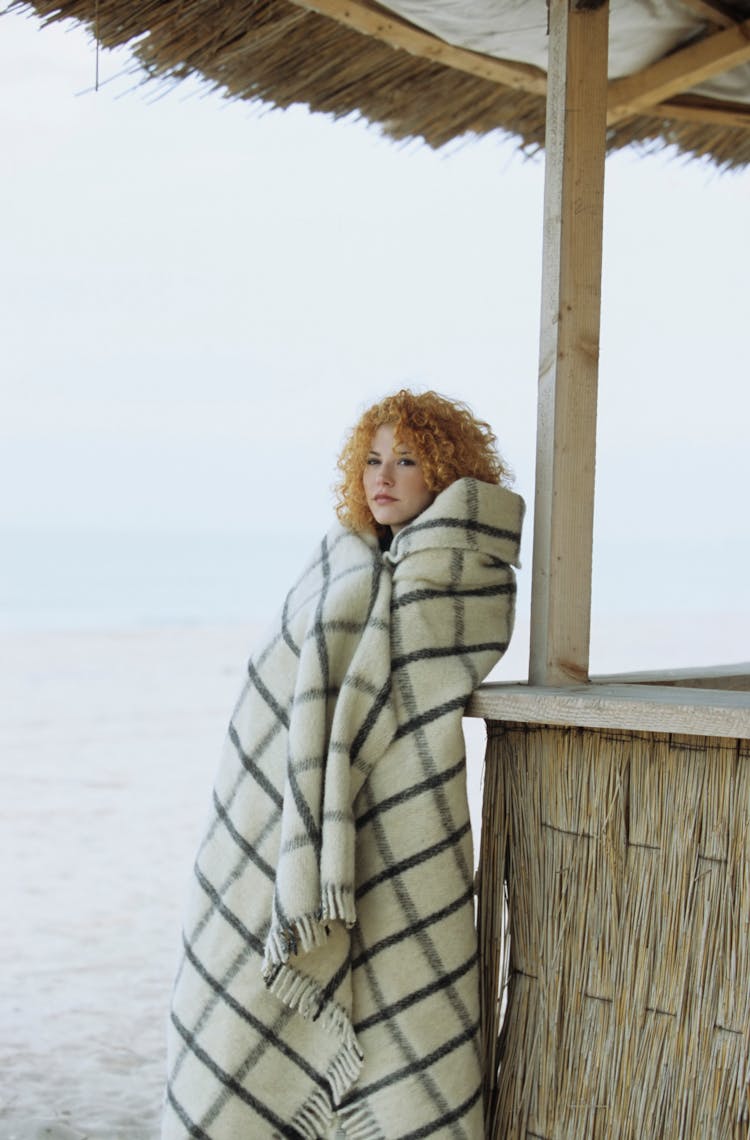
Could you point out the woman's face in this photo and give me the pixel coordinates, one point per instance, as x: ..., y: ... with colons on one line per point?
x: 393, y: 481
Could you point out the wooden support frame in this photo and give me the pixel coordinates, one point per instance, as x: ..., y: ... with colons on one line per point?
x: 569, y: 344
x: 712, y: 12
x: 654, y: 90
x: 399, y: 33
x: 637, y: 94
x: 693, y: 109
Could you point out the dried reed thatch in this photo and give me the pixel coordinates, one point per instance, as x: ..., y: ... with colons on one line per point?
x: 280, y: 53
x: 607, y: 1034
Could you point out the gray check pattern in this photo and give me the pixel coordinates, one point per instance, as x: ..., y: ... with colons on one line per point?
x: 328, y: 984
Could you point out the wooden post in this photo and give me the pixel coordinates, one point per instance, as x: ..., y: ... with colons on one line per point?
x: 569, y: 342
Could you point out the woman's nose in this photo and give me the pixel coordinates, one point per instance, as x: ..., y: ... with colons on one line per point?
x: 386, y: 473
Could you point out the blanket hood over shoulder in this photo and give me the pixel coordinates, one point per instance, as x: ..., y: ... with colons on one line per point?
x: 467, y: 515
x: 329, y: 967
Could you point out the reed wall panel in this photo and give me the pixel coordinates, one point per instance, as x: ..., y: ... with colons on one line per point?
x: 614, y: 920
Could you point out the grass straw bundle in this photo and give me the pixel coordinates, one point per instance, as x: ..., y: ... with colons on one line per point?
x: 615, y: 934
x: 278, y: 53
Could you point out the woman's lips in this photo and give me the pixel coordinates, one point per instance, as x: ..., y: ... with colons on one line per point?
x: 384, y: 499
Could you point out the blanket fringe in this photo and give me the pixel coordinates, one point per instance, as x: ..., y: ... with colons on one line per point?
x: 304, y: 935
x: 308, y: 931
x: 307, y: 997
x: 344, y: 1069
x: 359, y: 1124
x: 338, y: 904
x: 315, y: 1118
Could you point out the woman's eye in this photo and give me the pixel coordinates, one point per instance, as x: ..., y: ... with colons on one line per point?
x: 372, y: 462
x: 407, y: 462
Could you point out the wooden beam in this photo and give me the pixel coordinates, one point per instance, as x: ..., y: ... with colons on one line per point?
x: 693, y: 109
x: 637, y: 94
x: 373, y: 21
x: 727, y: 677
x: 569, y: 345
x: 645, y: 708
x: 712, y: 12
x: 391, y: 29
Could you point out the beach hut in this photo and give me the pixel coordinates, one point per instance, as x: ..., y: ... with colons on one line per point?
x: 615, y: 859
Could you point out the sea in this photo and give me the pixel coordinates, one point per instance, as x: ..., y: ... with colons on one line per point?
x: 657, y: 603
x: 86, y: 580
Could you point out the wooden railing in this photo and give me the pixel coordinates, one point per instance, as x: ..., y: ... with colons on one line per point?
x: 710, y: 702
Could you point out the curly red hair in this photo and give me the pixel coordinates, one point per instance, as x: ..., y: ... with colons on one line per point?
x: 448, y: 440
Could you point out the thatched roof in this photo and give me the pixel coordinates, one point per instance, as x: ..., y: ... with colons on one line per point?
x: 679, y: 72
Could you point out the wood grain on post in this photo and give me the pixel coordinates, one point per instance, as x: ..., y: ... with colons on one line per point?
x: 569, y: 344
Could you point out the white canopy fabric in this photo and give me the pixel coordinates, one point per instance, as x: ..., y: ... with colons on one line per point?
x: 641, y: 32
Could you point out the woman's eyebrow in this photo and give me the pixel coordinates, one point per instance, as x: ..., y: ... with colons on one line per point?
x: 372, y: 451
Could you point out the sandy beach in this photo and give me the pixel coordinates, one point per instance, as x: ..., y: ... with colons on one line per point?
x: 108, y: 746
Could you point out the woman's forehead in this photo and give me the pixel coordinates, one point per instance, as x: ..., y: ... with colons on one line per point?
x: 388, y: 436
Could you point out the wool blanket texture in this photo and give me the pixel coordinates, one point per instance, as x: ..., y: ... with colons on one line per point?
x: 328, y: 984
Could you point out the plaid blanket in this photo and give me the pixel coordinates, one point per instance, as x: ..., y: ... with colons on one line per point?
x: 328, y: 983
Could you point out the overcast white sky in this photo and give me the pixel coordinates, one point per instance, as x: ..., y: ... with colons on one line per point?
x: 198, y: 298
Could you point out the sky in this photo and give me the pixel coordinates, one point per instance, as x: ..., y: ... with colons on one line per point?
x: 200, y: 296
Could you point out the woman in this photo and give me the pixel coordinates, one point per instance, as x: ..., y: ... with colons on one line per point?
x: 329, y: 984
